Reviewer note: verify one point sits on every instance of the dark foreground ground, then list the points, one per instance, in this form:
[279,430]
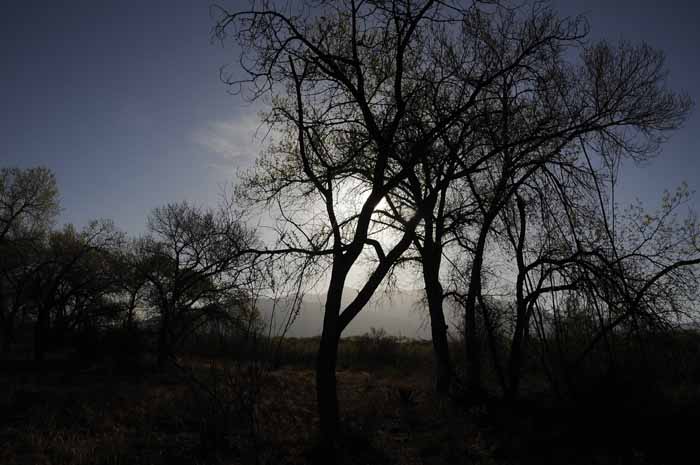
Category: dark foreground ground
[68,413]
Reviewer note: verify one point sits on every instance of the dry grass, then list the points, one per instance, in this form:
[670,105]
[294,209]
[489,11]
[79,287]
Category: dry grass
[241,414]
[98,418]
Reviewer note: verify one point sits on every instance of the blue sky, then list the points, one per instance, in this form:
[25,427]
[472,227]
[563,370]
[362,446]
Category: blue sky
[122,99]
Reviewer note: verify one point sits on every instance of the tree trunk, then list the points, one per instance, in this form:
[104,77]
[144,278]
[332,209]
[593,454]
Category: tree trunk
[493,344]
[438,326]
[326,393]
[471,336]
[443,364]
[472,346]
[516,355]
[522,310]
[326,388]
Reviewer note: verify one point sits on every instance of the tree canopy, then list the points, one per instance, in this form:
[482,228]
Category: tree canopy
[448,123]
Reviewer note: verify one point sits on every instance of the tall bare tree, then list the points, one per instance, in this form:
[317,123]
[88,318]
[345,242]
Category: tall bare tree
[192,262]
[360,93]
[368,97]
[545,114]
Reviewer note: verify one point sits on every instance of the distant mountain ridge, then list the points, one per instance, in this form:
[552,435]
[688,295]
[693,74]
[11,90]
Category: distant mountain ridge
[399,313]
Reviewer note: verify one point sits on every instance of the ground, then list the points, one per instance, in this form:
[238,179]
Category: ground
[206,412]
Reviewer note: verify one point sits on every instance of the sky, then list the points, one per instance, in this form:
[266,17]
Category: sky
[122,99]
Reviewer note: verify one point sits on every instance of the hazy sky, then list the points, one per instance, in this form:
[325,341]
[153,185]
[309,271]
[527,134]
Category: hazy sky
[122,99]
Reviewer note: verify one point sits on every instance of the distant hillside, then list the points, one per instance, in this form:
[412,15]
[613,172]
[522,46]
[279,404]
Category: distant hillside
[400,313]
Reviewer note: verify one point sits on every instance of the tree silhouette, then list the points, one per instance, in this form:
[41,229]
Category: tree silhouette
[28,202]
[406,102]
[28,207]
[549,117]
[70,280]
[349,83]
[193,265]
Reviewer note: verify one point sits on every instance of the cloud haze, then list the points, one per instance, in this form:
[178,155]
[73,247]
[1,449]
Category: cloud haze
[231,143]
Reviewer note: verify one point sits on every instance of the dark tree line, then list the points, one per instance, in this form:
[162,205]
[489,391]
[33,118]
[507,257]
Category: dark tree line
[481,140]
[185,272]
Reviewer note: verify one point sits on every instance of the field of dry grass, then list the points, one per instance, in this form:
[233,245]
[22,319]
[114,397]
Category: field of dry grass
[214,412]
[65,415]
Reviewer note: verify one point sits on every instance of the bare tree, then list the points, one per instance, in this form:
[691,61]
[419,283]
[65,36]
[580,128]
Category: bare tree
[28,207]
[130,282]
[70,280]
[649,277]
[28,202]
[360,92]
[542,117]
[568,245]
[194,267]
